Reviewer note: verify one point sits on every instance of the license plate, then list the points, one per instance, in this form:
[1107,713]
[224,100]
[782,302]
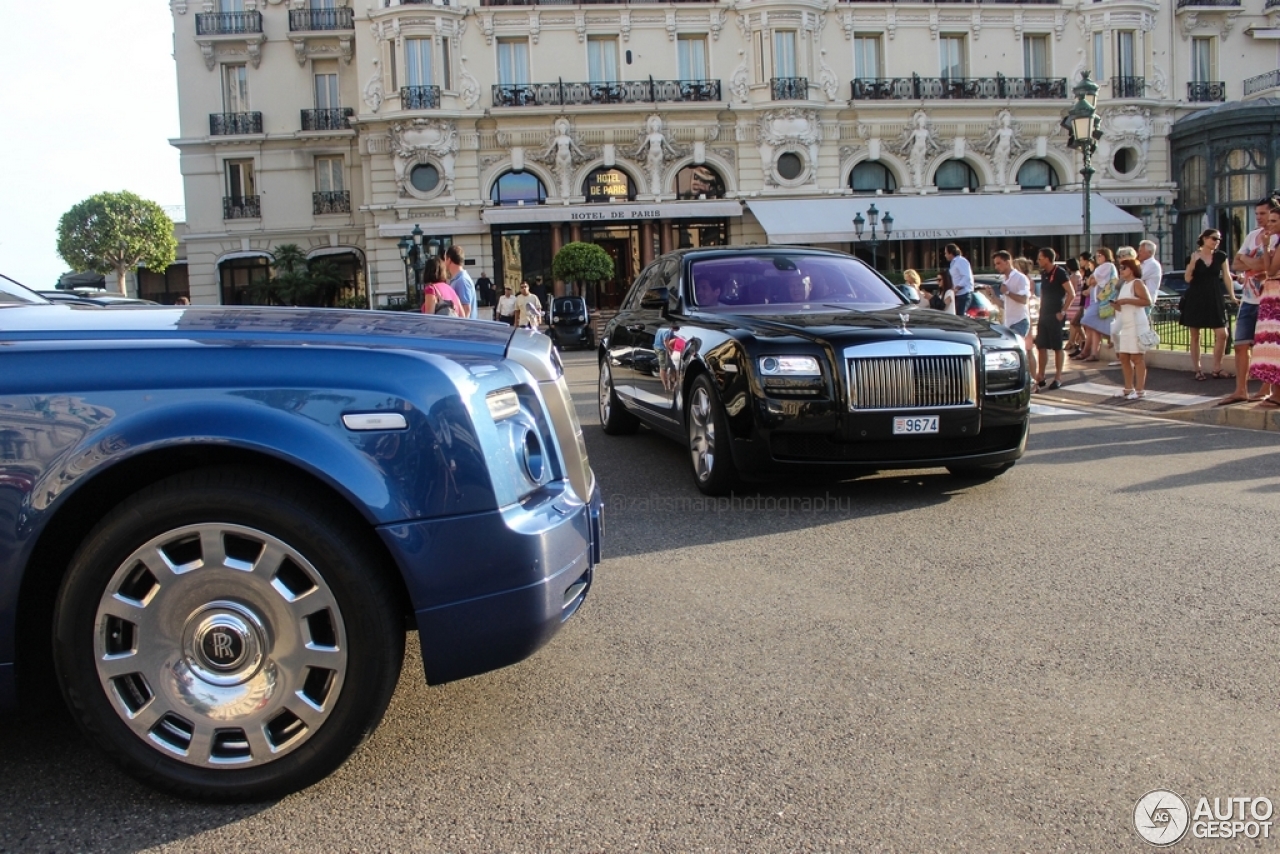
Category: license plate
[916,426]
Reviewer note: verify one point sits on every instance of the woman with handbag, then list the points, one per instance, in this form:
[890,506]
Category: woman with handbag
[1203,306]
[1133,329]
[1097,315]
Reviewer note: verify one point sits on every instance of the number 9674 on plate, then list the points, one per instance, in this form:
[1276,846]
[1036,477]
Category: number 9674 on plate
[916,425]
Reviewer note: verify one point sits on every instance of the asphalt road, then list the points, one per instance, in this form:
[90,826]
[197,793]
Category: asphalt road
[896,663]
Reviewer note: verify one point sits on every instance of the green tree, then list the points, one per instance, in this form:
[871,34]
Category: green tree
[116,233]
[582,263]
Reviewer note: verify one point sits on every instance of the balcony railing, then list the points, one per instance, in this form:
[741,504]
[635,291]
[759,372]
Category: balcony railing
[1183,4]
[337,201]
[228,23]
[577,2]
[419,97]
[789,88]
[561,93]
[1206,90]
[234,124]
[335,119]
[916,88]
[1262,82]
[949,2]
[241,207]
[1128,87]
[1271,4]
[303,20]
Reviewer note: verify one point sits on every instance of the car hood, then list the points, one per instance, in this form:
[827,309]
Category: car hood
[812,325]
[252,326]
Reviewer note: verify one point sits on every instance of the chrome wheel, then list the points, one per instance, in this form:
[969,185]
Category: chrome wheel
[220,645]
[702,435]
[605,391]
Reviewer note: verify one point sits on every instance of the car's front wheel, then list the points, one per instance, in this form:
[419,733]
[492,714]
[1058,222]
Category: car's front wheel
[225,636]
[615,420]
[708,431]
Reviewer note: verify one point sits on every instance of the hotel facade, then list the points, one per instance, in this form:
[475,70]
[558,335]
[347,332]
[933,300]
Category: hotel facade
[511,127]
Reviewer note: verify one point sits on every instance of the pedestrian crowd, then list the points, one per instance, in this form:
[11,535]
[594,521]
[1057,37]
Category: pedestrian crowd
[1106,298]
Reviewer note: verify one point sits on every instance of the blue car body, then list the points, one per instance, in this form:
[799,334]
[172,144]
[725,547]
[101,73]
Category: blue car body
[95,403]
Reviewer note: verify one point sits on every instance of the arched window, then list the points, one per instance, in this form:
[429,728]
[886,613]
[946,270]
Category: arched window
[1242,176]
[1193,188]
[956,176]
[869,176]
[512,188]
[699,182]
[1037,175]
[602,185]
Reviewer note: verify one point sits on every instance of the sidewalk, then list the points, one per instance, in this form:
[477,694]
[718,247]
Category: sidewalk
[1172,391]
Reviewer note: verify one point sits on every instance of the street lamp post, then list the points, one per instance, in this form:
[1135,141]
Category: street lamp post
[1153,221]
[873,239]
[1084,131]
[414,261]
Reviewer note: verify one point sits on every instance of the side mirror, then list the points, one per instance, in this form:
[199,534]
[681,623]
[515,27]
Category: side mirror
[655,298]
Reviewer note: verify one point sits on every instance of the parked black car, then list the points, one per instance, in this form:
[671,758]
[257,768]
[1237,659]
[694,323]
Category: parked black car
[571,323]
[768,360]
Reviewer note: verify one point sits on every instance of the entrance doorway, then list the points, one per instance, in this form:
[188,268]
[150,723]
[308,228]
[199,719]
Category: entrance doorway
[622,243]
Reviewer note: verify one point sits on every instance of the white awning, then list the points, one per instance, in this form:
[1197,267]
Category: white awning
[940,217]
[612,212]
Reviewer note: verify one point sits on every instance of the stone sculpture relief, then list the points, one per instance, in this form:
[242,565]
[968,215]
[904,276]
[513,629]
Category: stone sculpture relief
[1004,143]
[788,129]
[654,149]
[421,141]
[563,154]
[919,144]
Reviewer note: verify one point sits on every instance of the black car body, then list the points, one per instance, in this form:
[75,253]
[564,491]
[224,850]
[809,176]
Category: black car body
[571,323]
[849,377]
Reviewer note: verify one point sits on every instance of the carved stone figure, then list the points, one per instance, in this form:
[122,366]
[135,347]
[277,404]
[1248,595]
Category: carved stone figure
[654,148]
[562,153]
[740,82]
[373,90]
[1003,144]
[918,145]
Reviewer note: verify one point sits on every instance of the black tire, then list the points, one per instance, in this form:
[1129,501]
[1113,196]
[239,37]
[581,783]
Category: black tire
[708,430]
[979,473]
[255,667]
[614,417]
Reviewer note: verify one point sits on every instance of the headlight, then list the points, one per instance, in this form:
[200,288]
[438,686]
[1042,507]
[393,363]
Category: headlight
[789,366]
[1002,360]
[1003,369]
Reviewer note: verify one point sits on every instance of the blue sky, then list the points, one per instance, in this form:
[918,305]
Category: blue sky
[90,103]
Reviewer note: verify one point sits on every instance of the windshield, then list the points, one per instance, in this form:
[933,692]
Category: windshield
[799,282]
[12,293]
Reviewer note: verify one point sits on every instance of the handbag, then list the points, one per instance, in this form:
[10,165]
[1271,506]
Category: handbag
[1148,338]
[1106,293]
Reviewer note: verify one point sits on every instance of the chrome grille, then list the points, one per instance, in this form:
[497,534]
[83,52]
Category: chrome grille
[911,382]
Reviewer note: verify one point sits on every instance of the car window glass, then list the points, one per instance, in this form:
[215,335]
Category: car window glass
[800,281]
[12,293]
[637,289]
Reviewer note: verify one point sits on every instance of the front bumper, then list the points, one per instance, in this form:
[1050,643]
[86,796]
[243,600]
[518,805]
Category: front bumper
[490,589]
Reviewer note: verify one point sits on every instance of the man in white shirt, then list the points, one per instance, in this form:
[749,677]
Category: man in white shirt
[1152,272]
[961,277]
[505,311]
[1016,293]
[1253,262]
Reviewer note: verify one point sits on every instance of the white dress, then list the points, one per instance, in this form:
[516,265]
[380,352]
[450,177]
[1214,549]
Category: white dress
[1133,320]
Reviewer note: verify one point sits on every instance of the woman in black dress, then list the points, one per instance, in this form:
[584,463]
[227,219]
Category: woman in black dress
[1204,306]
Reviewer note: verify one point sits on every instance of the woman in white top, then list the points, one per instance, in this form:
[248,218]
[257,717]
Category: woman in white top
[1131,307]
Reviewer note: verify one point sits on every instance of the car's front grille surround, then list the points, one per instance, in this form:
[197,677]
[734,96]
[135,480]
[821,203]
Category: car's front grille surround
[911,375]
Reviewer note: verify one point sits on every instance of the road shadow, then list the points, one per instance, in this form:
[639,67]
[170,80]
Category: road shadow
[59,793]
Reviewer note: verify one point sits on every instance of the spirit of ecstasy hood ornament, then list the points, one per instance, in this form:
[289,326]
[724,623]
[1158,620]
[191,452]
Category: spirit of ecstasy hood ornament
[904,317]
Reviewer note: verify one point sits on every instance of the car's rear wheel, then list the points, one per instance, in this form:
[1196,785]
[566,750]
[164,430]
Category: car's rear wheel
[979,473]
[227,637]
[615,420]
[713,467]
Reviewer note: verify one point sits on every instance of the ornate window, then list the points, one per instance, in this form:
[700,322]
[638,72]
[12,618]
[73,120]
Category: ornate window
[956,176]
[869,176]
[699,182]
[1037,175]
[515,188]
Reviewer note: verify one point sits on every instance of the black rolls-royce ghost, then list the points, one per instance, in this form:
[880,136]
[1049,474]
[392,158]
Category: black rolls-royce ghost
[770,359]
